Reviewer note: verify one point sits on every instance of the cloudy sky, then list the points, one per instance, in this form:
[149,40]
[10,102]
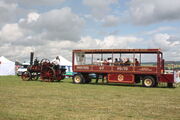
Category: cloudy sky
[56,27]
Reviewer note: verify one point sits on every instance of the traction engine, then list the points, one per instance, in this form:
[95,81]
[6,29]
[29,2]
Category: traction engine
[47,71]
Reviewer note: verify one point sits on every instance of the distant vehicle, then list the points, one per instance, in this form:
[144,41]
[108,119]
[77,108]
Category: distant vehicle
[22,69]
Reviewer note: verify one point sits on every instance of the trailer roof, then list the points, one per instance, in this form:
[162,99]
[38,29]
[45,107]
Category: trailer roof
[118,50]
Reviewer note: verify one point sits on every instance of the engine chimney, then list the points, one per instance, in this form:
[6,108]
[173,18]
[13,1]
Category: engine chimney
[31,58]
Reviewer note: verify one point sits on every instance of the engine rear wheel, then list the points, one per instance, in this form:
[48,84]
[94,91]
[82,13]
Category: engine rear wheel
[149,81]
[78,79]
[48,74]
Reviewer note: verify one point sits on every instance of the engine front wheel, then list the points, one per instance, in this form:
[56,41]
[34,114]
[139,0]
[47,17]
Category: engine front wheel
[34,76]
[26,76]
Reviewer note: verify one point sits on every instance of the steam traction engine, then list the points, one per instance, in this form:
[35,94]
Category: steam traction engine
[46,70]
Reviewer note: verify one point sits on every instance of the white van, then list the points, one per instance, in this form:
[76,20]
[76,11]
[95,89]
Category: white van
[22,69]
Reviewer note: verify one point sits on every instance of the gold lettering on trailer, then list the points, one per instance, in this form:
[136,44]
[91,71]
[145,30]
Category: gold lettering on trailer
[120,77]
[101,68]
[82,67]
[122,68]
[145,69]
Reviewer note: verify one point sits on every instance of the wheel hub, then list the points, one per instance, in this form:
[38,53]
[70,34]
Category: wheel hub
[77,79]
[148,82]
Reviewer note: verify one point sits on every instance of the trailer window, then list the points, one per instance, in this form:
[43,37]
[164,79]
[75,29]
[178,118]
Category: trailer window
[79,58]
[148,59]
[96,59]
[88,59]
[123,59]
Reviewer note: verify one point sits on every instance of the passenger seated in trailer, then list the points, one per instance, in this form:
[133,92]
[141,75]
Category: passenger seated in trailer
[136,62]
[97,62]
[105,62]
[101,62]
[120,61]
[110,61]
[116,62]
[127,62]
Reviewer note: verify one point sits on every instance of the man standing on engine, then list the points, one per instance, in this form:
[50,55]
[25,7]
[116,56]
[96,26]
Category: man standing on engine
[56,62]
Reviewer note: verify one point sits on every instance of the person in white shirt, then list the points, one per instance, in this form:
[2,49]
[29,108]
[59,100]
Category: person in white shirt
[110,61]
[56,62]
[98,62]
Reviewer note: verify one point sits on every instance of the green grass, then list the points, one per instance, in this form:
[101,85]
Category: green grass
[35,100]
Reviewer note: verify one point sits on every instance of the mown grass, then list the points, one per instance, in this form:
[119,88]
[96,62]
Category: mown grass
[35,100]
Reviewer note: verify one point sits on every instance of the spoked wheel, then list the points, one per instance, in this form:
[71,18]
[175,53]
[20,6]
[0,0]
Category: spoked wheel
[48,75]
[26,76]
[34,76]
[149,81]
[44,61]
[78,79]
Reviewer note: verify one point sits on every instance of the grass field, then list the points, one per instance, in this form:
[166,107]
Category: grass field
[35,100]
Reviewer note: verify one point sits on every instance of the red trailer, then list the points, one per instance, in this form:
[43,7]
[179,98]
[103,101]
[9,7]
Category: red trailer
[109,64]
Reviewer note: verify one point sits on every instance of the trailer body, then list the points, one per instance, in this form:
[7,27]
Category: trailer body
[120,73]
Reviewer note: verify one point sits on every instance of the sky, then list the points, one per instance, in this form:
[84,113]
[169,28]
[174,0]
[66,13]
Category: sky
[56,27]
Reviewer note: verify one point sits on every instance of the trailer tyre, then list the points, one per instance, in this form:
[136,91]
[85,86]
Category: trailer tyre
[88,80]
[78,79]
[149,81]
[170,85]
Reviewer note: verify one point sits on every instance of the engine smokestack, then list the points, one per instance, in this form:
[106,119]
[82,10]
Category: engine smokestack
[31,58]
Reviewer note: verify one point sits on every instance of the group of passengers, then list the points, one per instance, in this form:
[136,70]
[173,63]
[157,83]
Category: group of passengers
[107,61]
[118,62]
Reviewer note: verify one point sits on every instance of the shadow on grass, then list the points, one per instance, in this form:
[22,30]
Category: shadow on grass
[126,85]
[107,84]
[130,85]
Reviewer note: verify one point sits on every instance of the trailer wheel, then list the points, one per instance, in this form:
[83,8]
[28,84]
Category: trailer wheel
[170,85]
[78,79]
[88,80]
[148,81]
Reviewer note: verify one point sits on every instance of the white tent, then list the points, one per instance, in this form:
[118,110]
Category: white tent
[7,67]
[67,64]
[64,61]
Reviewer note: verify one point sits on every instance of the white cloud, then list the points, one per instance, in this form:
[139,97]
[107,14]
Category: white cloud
[35,3]
[143,12]
[164,41]
[110,21]
[7,12]
[118,41]
[108,42]
[57,24]
[32,17]
[160,29]
[99,8]
[10,33]
[48,33]
[53,32]
[161,41]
